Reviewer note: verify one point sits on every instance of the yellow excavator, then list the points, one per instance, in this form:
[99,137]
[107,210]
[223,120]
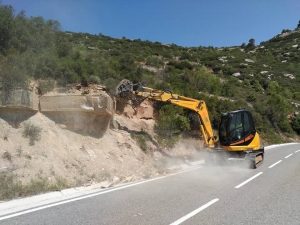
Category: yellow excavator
[238,138]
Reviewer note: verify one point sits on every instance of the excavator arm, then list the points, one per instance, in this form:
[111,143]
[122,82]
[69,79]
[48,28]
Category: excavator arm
[129,91]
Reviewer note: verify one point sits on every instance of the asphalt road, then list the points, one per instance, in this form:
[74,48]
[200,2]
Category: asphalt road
[199,195]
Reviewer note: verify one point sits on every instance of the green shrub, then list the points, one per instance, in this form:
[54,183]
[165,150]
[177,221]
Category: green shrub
[141,138]
[170,124]
[46,86]
[33,132]
[95,79]
[251,98]
[153,61]
[6,155]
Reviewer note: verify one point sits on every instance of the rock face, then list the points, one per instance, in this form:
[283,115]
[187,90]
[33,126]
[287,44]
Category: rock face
[99,104]
[17,105]
[85,114]
[90,114]
[19,98]
[143,111]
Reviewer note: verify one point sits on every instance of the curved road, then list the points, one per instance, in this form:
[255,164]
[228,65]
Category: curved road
[199,195]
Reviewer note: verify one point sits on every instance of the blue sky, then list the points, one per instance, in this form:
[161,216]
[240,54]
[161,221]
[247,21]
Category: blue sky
[189,23]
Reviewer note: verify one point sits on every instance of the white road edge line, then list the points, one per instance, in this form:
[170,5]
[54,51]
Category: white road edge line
[279,145]
[297,151]
[89,196]
[288,156]
[275,164]
[193,213]
[245,182]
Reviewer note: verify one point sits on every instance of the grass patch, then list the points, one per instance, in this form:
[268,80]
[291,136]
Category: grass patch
[11,189]
[141,138]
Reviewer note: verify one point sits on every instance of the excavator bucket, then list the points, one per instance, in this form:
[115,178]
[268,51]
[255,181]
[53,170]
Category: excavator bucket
[127,91]
[124,86]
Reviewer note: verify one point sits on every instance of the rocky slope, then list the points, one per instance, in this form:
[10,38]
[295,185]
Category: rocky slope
[64,151]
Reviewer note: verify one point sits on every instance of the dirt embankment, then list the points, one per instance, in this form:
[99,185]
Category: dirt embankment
[68,149]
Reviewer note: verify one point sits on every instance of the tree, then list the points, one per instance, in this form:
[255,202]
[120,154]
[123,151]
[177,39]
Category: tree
[53,25]
[257,86]
[278,109]
[273,88]
[6,25]
[46,66]
[204,81]
[126,66]
[296,123]
[21,36]
[63,49]
[171,123]
[285,31]
[298,25]
[251,43]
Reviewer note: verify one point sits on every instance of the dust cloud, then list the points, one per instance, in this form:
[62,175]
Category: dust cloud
[222,173]
[207,173]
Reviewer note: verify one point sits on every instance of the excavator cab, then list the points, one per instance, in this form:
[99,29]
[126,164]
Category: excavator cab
[236,128]
[239,138]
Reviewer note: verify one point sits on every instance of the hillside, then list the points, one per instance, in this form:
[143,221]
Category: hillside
[262,78]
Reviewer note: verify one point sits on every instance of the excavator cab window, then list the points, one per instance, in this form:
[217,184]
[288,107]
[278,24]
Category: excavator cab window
[235,126]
